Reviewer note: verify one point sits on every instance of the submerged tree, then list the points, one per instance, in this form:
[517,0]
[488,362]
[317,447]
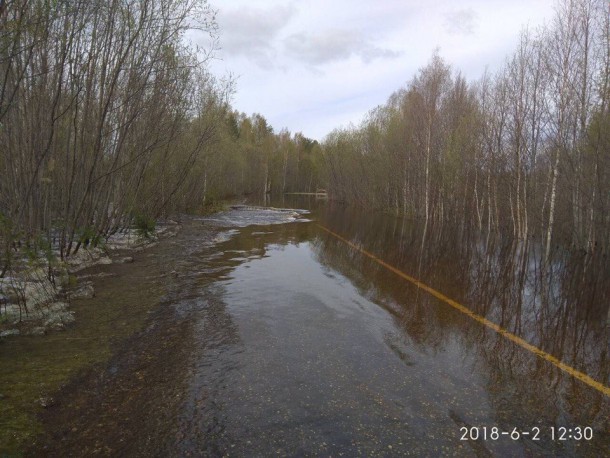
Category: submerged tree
[523,151]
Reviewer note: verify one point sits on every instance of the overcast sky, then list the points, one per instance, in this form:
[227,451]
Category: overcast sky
[314,65]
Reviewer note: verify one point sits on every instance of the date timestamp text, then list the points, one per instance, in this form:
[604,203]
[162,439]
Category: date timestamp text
[535,433]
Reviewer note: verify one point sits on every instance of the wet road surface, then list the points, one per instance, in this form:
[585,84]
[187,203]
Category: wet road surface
[307,348]
[298,345]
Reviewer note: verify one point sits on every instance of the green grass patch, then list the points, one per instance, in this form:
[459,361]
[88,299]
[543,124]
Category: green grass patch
[34,367]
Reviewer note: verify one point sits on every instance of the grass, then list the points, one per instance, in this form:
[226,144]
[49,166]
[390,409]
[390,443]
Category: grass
[145,226]
[37,366]
[213,206]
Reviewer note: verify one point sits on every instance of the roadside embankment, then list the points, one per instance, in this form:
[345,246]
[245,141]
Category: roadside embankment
[35,298]
[115,294]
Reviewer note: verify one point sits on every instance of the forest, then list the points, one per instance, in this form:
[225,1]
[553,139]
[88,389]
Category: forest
[110,117]
[456,279]
[522,152]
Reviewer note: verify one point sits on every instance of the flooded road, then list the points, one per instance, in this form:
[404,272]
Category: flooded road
[296,344]
[310,348]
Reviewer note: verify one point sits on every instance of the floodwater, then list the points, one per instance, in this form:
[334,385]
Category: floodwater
[300,345]
[307,347]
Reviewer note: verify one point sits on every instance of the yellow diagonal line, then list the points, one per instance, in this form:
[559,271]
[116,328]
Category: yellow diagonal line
[465,310]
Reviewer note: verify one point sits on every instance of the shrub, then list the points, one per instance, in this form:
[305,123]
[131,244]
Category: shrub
[145,226]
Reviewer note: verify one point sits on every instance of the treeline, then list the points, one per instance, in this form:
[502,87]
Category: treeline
[248,158]
[108,116]
[103,111]
[523,151]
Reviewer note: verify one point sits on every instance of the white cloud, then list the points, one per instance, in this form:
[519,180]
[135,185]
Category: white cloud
[250,32]
[461,22]
[311,64]
[334,45]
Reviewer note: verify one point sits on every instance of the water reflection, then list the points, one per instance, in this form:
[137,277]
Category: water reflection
[561,308]
[307,347]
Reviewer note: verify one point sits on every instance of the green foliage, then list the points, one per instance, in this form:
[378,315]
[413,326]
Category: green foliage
[89,237]
[6,232]
[68,281]
[5,222]
[31,254]
[144,225]
[212,204]
[232,126]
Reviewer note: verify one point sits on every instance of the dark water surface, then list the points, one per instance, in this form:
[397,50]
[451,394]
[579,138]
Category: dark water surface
[307,347]
[268,336]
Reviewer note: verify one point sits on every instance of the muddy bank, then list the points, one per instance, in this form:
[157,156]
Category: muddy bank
[128,300]
[35,296]
[128,406]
